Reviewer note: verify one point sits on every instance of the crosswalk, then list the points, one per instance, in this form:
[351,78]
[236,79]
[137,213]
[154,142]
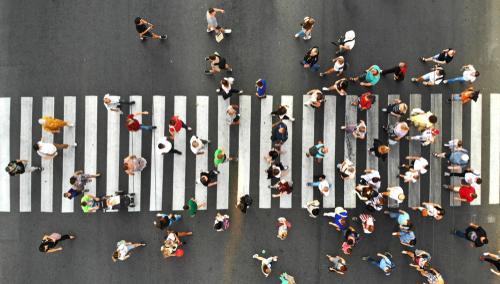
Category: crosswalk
[169,191]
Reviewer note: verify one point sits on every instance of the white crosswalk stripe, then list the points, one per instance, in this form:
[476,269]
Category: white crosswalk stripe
[246,151]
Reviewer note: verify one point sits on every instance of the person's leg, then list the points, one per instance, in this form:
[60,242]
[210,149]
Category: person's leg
[456,79]
[226,96]
[146,127]
[328,72]
[184,234]
[234,91]
[61,146]
[175,151]
[394,215]
[300,33]
[314,184]
[31,169]
[460,234]
[127,102]
[315,67]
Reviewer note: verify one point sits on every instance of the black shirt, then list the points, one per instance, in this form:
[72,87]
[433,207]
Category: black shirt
[474,235]
[211,177]
[311,60]
[443,56]
[141,28]
[377,143]
[17,168]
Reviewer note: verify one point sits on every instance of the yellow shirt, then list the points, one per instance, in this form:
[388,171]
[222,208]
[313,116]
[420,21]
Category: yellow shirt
[52,124]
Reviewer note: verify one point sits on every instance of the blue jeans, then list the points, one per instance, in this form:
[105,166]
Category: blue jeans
[301,33]
[315,184]
[394,215]
[146,127]
[314,67]
[456,79]
[176,218]
[460,234]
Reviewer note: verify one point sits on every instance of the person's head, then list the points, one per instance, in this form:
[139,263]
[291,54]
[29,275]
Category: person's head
[218,226]
[375,179]
[362,128]
[315,211]
[36,147]
[67,195]
[203,178]
[484,240]
[266,269]
[212,57]
[115,255]
[402,64]
[41,121]
[350,241]
[413,242]
[340,59]
[440,72]
[185,207]
[259,83]
[433,119]
[106,100]
[343,221]
[401,197]
[322,177]
[371,96]
[160,223]
[404,126]
[460,143]
[476,74]
[72,180]
[473,195]
[43,247]
[451,52]
[276,171]
[125,166]
[282,130]
[195,144]
[374,72]
[384,149]
[370,228]
[220,156]
[311,21]
[343,268]
[172,122]
[211,11]
[83,203]
[403,108]
[137,20]
[387,270]
[314,51]
[161,146]
[325,150]
[224,83]
[479,180]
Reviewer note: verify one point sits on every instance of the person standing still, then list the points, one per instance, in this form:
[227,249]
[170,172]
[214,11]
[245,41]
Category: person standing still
[144,29]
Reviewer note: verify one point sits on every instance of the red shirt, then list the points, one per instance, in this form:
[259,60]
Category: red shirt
[178,125]
[365,102]
[284,188]
[466,192]
[133,125]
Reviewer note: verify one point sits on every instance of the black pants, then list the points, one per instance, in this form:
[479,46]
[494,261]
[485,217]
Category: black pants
[230,93]
[63,237]
[125,103]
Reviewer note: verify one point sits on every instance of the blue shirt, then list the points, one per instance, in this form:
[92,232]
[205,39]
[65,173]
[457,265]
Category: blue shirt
[337,219]
[386,263]
[73,193]
[406,237]
[456,158]
[261,91]
[403,218]
[277,136]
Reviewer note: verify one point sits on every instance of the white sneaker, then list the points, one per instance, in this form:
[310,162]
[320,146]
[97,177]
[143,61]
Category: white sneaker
[208,30]
[324,89]
[70,125]
[218,90]
[74,145]
[189,128]
[227,31]
[241,92]
[292,119]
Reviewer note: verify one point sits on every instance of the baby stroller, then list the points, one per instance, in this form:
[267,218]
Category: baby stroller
[120,200]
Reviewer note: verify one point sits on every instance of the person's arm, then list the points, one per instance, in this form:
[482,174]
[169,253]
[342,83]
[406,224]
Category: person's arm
[475,226]
[334,225]
[141,113]
[361,197]
[219,10]
[54,250]
[212,184]
[383,256]
[496,273]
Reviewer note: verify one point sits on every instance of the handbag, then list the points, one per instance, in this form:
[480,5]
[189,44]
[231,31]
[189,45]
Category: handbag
[219,37]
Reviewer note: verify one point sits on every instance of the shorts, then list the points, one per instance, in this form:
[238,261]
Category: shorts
[148,34]
[427,77]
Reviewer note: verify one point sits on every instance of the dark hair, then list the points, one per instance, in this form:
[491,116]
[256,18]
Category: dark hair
[477,74]
[137,20]
[259,83]
[275,171]
[440,210]
[218,226]
[172,122]
[322,176]
[485,241]
[479,180]
[43,247]
[315,211]
[211,10]
[474,195]
[433,118]
[185,207]
[350,242]
[161,146]
[413,242]
[224,82]
[375,179]
[212,57]
[72,180]
[83,203]
[36,147]
[343,268]
[459,143]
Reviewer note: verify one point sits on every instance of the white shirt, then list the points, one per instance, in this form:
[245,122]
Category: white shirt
[368,178]
[200,147]
[115,102]
[322,184]
[411,176]
[469,74]
[349,36]
[46,150]
[122,251]
[434,77]
[394,193]
[168,145]
[420,164]
[338,67]
[470,178]
[230,80]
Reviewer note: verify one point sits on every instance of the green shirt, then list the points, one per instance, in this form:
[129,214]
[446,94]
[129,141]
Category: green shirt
[217,162]
[373,79]
[193,207]
[88,199]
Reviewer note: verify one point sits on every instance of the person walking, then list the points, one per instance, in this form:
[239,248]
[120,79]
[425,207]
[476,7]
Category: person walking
[417,163]
[114,103]
[471,176]
[371,177]
[422,120]
[221,222]
[398,70]
[265,263]
[134,125]
[406,237]
[175,126]
[444,57]
[338,67]
[369,78]
[365,192]
[49,242]
[465,96]
[283,226]
[78,181]
[345,43]
[395,193]
[48,151]
[379,149]
[313,208]
[420,258]
[458,158]
[426,138]
[244,203]
[410,175]
[226,88]
[340,86]
[284,187]
[365,101]
[208,179]
[19,167]
[397,108]
[357,131]
[385,262]
[466,193]
[396,132]
[494,261]
[281,113]
[89,203]
[338,264]
[123,249]
[217,63]
[322,184]
[233,115]
[311,58]
[367,223]
[432,275]
[279,134]
[53,125]
[198,145]
[285,278]
[163,221]
[318,151]
[277,170]
[469,75]
[474,234]
[192,206]
[351,238]
[144,29]
[433,78]
[273,155]
[402,217]
[347,170]
[133,164]
[316,98]
[306,28]
[164,147]
[340,219]
[429,209]
[261,86]
[212,20]
[220,157]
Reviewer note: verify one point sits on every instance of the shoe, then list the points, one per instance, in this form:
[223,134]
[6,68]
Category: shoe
[209,30]
[153,127]
[324,89]
[309,184]
[269,186]
[218,90]
[414,79]
[189,128]
[132,102]
[208,141]
[240,92]
[85,190]
[132,194]
[384,110]
[143,244]
[227,31]
[286,168]
[292,119]
[163,37]
[446,174]
[445,186]
[207,72]
[178,153]
[70,125]
[206,58]
[255,255]
[445,81]
[296,35]
[365,258]
[321,74]
[422,59]
[142,38]
[74,145]
[40,168]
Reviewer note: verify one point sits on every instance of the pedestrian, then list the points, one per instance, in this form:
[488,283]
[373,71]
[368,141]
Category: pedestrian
[338,67]
[410,175]
[19,167]
[406,237]
[340,221]
[244,203]
[144,29]
[133,164]
[429,209]
[212,20]
[114,103]
[310,60]
[318,151]
[316,98]
[417,163]
[53,125]
[379,149]
[284,187]
[123,249]
[339,264]
[465,96]
[192,206]
[209,179]
[172,243]
[281,112]
[444,57]
[265,263]
[227,89]
[398,70]
[433,78]
[49,242]
[466,193]
[385,263]
[175,126]
[395,193]
[198,145]
[78,182]
[89,203]
[367,223]
[340,86]
[261,86]
[454,144]
[345,43]
[494,261]
[233,115]
[277,170]
[365,192]
[166,220]
[397,108]
[221,222]
[279,134]
[322,184]
[347,170]
[48,151]
[432,275]
[422,120]
[220,32]
[471,176]
[458,158]
[220,157]
[397,131]
[287,279]
[469,75]
[473,233]
[164,147]
[217,63]
[369,78]
[273,155]
[420,258]
[427,137]
[283,226]
[365,101]
[313,208]
[402,217]
[134,125]
[306,28]
[351,237]
[376,203]
[371,177]
[358,131]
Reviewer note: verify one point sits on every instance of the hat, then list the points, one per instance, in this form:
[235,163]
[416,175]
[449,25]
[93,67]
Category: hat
[179,253]
[435,131]
[401,197]
[464,157]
